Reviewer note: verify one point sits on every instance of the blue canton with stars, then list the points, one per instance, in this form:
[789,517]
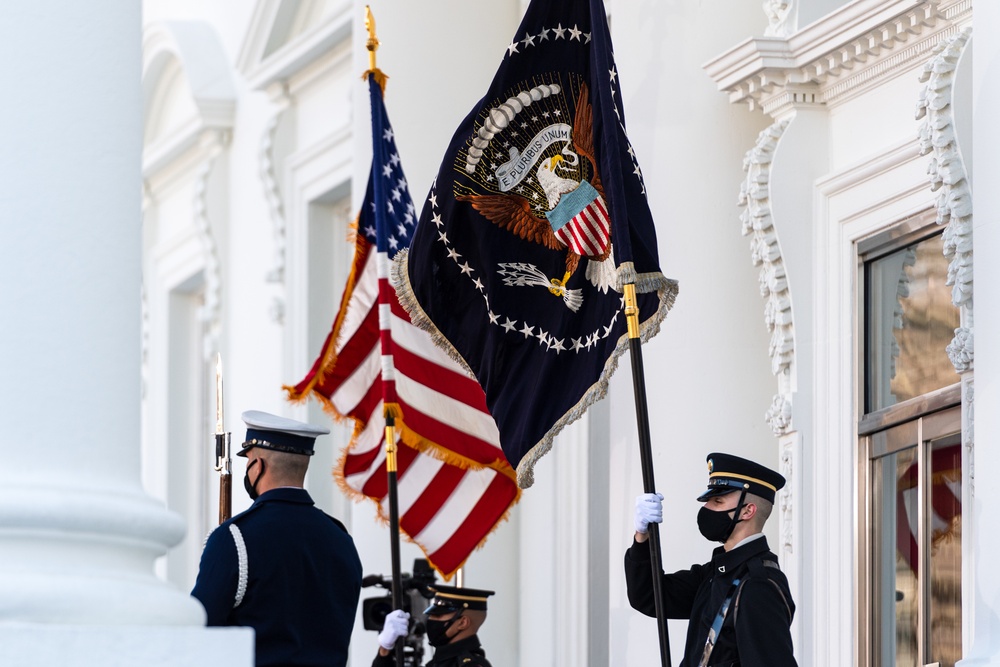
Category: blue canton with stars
[388,227]
[537,217]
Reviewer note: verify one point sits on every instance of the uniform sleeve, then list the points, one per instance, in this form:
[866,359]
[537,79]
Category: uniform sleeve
[218,576]
[762,625]
[384,660]
[679,589]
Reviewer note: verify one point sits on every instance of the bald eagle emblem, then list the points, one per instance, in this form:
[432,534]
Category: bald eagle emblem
[547,191]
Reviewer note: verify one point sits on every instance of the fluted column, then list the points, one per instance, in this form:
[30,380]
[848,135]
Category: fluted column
[78,537]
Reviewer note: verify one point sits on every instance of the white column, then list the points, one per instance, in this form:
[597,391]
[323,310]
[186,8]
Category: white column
[78,536]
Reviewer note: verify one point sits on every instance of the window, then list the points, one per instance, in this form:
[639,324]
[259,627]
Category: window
[910,457]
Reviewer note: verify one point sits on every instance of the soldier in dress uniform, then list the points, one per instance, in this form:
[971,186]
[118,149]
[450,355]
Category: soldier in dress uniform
[283,567]
[738,604]
[453,619]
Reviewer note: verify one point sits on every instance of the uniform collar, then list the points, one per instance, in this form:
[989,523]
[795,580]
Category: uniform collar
[288,494]
[467,645]
[724,562]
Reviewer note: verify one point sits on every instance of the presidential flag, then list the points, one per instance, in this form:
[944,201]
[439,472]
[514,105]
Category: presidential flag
[454,484]
[536,220]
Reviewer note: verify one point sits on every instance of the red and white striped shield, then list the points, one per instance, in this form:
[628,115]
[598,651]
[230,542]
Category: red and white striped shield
[581,221]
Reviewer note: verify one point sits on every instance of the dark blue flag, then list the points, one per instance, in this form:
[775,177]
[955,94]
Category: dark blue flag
[536,219]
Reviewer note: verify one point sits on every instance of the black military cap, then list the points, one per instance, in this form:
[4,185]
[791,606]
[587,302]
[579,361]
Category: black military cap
[728,473]
[451,598]
[281,434]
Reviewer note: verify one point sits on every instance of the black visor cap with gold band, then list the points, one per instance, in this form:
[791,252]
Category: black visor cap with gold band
[728,473]
[279,434]
[450,598]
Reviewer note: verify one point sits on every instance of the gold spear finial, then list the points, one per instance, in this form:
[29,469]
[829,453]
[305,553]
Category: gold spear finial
[372,45]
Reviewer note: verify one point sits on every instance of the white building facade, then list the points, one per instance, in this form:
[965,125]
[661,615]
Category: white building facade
[811,172]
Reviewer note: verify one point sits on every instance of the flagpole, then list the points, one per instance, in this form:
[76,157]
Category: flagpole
[390,467]
[388,399]
[646,460]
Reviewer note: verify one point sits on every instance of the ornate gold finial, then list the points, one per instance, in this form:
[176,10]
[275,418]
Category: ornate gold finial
[372,43]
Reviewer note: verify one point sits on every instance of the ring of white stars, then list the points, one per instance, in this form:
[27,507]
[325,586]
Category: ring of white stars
[559,32]
[557,345]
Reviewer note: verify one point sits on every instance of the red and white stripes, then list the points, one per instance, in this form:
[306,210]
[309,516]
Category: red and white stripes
[588,233]
[454,484]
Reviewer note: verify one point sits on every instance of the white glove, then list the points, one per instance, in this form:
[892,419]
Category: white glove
[395,625]
[648,509]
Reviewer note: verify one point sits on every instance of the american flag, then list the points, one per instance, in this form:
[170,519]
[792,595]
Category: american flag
[454,484]
[945,509]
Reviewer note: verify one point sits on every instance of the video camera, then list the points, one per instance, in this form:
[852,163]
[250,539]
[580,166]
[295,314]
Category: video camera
[414,599]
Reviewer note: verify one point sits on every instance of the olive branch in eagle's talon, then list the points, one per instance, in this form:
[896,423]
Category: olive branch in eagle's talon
[520,274]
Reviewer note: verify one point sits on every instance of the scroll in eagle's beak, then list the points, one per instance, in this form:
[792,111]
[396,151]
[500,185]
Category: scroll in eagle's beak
[554,160]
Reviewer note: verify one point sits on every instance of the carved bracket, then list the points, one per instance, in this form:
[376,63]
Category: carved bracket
[948,177]
[782,17]
[211,311]
[275,204]
[786,497]
[766,254]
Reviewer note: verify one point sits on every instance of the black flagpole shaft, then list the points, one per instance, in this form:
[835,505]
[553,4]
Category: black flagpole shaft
[646,459]
[397,582]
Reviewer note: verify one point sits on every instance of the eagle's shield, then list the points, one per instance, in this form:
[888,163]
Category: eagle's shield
[580,220]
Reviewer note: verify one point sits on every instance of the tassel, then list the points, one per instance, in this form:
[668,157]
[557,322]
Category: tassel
[380,78]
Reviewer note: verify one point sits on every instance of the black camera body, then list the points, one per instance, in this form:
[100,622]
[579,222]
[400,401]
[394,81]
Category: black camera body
[414,600]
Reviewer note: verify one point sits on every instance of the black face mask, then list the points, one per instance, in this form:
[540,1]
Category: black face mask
[716,526]
[252,488]
[437,631]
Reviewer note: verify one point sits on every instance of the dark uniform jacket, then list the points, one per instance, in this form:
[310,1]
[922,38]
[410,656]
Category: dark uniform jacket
[756,630]
[289,571]
[463,653]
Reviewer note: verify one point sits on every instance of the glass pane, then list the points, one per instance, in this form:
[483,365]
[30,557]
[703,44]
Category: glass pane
[910,320]
[946,551]
[894,539]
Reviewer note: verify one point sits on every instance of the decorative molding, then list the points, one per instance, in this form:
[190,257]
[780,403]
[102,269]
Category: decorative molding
[786,497]
[782,17]
[211,311]
[779,415]
[838,57]
[190,152]
[766,253]
[293,65]
[948,177]
[275,204]
[904,57]
[961,350]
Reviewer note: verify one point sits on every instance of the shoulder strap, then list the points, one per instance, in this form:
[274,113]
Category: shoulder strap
[756,569]
[720,618]
[244,566]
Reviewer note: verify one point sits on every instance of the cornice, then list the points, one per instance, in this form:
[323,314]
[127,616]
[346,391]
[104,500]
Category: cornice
[302,52]
[836,57]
